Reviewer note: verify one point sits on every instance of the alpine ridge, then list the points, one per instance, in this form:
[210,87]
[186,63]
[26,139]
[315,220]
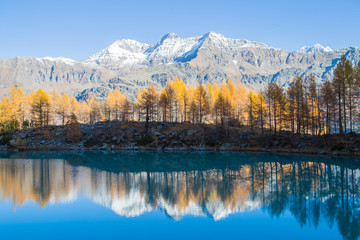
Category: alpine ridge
[130,65]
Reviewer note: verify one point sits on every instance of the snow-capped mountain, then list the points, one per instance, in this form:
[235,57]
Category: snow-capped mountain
[170,49]
[317,48]
[130,65]
[122,54]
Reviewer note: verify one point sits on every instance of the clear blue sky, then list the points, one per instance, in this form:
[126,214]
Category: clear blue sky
[77,29]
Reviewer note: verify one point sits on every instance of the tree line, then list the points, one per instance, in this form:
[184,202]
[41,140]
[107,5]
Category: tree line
[303,107]
[307,107]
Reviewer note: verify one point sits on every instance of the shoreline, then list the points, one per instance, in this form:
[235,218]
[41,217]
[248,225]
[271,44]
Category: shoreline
[176,137]
[179,150]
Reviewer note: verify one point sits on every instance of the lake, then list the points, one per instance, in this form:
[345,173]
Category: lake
[92,195]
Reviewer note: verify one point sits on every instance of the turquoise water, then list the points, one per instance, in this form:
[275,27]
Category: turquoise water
[94,195]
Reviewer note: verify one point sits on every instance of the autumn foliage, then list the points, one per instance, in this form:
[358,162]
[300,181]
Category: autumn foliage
[303,107]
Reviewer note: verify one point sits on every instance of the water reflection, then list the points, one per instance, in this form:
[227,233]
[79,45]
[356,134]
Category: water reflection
[180,184]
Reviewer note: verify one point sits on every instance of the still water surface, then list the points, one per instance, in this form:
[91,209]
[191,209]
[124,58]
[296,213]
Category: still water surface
[96,195]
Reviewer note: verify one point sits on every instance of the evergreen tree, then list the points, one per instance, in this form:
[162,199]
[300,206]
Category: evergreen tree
[350,92]
[261,110]
[268,93]
[299,103]
[339,84]
[291,99]
[357,91]
[282,104]
[328,100]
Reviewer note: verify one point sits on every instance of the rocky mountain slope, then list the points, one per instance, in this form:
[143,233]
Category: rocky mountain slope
[130,65]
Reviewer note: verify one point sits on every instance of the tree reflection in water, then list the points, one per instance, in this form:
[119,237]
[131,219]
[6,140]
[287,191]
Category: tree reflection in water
[203,184]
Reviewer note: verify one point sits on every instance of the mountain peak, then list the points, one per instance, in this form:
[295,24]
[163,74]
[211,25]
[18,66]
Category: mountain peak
[169,36]
[214,35]
[314,49]
[125,51]
[127,44]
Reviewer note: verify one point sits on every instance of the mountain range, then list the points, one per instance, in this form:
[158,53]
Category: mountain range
[130,65]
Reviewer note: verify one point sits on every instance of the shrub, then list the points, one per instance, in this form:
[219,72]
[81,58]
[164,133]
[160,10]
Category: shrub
[144,140]
[19,144]
[46,134]
[211,142]
[73,132]
[338,147]
[91,142]
[26,124]
[5,139]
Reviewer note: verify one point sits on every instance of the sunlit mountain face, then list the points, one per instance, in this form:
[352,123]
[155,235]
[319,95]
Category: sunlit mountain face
[210,185]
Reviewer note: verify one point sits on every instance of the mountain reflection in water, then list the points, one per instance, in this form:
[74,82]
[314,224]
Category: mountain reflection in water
[201,184]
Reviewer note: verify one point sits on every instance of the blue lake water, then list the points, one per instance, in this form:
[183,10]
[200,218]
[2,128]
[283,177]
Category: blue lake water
[93,195]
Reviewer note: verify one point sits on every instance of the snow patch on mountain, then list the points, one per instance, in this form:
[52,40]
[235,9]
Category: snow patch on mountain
[169,48]
[314,49]
[192,53]
[59,59]
[120,53]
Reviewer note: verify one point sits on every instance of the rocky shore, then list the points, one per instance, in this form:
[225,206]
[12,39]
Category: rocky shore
[134,136]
